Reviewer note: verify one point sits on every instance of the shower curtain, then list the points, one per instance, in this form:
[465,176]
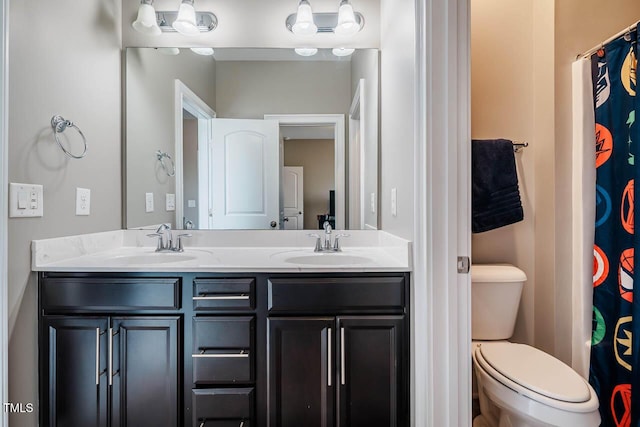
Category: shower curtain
[614,369]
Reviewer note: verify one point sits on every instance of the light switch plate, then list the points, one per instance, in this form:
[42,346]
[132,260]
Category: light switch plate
[26,200]
[148,202]
[373,203]
[83,201]
[394,202]
[170,202]
[191,203]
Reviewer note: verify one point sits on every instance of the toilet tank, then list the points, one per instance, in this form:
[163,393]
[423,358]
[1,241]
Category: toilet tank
[495,297]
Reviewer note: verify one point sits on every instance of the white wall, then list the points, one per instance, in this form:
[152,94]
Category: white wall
[254,23]
[64,58]
[150,123]
[397,56]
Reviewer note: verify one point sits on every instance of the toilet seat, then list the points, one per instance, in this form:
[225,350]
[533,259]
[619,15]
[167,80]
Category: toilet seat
[536,375]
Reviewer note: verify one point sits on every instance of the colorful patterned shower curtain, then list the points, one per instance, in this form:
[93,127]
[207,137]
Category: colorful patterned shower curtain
[615,371]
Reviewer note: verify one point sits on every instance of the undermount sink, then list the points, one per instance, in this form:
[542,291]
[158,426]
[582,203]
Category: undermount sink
[154,258]
[328,259]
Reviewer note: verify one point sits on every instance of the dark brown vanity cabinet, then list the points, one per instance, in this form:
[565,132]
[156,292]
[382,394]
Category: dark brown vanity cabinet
[346,365]
[108,369]
[224,350]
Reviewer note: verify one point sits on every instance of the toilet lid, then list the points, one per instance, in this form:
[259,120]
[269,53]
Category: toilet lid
[535,370]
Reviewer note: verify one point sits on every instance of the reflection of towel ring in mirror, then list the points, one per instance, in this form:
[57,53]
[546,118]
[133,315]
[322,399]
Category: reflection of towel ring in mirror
[162,156]
[59,125]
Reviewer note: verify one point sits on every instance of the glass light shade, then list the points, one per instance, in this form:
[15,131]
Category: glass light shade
[169,51]
[306,51]
[342,51]
[347,25]
[146,22]
[304,25]
[204,51]
[185,23]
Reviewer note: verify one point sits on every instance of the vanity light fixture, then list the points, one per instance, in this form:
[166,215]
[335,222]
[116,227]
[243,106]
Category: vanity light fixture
[306,51]
[344,23]
[342,51]
[204,51]
[146,22]
[304,24]
[347,25]
[169,51]
[185,23]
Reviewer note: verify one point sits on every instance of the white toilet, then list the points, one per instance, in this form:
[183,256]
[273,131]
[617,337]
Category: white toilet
[518,385]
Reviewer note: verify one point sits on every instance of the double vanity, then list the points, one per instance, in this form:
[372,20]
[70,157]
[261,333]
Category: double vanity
[242,328]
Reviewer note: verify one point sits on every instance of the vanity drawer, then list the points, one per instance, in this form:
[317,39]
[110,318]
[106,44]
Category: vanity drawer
[110,293]
[224,294]
[223,407]
[223,350]
[320,295]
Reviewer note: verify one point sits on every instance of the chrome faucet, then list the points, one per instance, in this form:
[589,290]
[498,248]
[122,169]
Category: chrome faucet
[328,246]
[165,239]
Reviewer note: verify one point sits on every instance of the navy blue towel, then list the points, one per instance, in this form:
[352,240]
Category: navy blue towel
[495,197]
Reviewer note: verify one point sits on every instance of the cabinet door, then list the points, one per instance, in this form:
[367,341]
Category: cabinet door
[76,391]
[145,371]
[301,372]
[372,392]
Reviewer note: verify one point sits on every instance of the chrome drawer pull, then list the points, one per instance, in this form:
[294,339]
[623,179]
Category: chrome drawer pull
[222,355]
[221,297]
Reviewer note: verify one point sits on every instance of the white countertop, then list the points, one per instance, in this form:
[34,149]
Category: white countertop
[222,251]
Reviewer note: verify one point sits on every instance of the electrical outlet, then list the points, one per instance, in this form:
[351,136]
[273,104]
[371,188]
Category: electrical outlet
[170,202]
[148,202]
[191,203]
[83,201]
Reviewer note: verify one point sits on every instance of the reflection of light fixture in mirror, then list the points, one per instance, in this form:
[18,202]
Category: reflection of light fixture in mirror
[146,22]
[342,51]
[306,51]
[347,25]
[304,25]
[169,51]
[204,51]
[185,23]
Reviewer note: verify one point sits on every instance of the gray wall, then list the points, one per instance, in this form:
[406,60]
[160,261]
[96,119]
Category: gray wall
[150,126]
[251,89]
[397,56]
[190,178]
[64,58]
[316,156]
[365,65]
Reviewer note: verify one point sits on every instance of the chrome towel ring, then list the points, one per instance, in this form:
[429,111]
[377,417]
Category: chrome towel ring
[170,170]
[59,125]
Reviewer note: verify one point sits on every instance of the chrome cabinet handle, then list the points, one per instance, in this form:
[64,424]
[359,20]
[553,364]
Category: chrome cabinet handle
[221,355]
[329,358]
[202,423]
[221,297]
[110,356]
[97,356]
[342,368]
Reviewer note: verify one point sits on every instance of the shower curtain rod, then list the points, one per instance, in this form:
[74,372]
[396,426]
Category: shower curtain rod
[610,39]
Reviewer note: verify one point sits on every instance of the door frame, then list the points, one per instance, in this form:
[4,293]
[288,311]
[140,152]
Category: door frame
[186,99]
[356,158]
[4,208]
[441,296]
[338,123]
